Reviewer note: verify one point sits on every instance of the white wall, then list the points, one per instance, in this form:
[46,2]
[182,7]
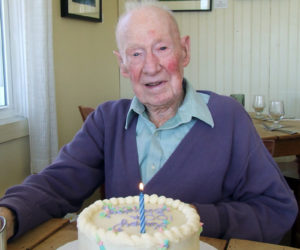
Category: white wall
[14,162]
[251,47]
[86,71]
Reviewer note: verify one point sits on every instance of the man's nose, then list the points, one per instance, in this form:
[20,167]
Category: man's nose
[152,64]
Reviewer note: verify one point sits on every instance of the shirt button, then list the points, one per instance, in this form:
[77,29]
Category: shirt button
[156,133]
[153,167]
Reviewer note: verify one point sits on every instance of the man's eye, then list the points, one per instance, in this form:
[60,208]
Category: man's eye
[163,48]
[136,54]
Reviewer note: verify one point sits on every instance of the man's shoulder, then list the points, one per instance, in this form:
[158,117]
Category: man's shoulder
[225,107]
[110,113]
[114,106]
[219,100]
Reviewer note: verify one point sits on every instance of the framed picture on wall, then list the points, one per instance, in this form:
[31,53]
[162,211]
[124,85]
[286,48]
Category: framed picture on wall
[188,5]
[90,10]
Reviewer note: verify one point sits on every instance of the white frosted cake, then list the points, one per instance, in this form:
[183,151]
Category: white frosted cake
[114,224]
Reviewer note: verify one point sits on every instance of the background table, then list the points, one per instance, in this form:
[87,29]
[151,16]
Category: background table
[285,144]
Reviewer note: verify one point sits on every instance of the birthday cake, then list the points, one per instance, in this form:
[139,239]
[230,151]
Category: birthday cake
[115,224]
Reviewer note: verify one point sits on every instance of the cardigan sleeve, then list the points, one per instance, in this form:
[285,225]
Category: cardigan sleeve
[61,187]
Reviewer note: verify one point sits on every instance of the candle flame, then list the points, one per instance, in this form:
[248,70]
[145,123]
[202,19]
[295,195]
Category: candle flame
[141,186]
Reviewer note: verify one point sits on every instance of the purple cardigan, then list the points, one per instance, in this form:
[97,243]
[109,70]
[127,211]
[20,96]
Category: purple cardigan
[225,171]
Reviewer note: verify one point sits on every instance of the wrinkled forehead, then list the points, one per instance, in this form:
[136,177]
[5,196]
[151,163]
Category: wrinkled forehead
[150,21]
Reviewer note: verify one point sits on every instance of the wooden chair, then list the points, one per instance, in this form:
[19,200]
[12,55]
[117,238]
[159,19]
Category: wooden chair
[270,145]
[291,173]
[85,111]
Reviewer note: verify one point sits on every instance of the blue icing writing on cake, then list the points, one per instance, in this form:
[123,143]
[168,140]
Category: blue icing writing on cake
[170,224]
[156,218]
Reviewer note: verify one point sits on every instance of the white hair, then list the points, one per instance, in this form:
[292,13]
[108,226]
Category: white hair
[133,5]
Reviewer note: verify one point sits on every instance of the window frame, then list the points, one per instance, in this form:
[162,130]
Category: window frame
[2,64]
[7,111]
[13,125]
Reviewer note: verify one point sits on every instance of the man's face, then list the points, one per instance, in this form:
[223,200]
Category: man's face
[153,56]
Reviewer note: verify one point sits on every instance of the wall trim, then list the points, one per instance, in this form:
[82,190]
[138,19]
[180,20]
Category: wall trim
[13,128]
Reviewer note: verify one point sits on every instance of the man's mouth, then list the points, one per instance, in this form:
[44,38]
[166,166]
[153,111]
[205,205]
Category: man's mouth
[153,84]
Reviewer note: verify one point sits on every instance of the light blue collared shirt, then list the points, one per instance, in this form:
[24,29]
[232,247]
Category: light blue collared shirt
[155,145]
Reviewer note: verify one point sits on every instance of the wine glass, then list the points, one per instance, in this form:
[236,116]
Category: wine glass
[258,105]
[276,111]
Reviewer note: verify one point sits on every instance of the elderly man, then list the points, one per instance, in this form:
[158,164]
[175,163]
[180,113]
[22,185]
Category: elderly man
[198,147]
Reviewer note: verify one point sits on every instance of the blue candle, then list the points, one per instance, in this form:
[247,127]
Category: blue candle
[142,210]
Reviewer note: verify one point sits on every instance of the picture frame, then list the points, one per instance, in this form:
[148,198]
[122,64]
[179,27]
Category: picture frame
[89,10]
[188,5]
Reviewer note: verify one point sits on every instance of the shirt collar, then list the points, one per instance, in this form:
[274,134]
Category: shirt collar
[194,105]
[136,107]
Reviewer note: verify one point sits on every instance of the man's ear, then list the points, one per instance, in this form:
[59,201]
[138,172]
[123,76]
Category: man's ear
[186,47]
[123,68]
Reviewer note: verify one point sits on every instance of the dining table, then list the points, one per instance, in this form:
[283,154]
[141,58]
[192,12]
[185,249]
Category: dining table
[57,232]
[285,144]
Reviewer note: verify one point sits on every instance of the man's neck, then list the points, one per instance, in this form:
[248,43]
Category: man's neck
[159,115]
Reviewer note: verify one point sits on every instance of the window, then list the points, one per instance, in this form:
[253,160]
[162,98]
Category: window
[7,102]
[3,93]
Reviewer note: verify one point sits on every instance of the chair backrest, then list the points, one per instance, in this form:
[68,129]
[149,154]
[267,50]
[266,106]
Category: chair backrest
[85,111]
[270,145]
